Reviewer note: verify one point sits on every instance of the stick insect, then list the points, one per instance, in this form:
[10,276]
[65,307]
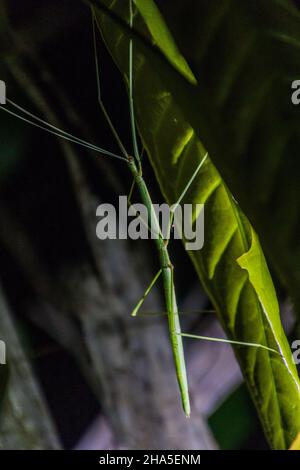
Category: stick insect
[134,164]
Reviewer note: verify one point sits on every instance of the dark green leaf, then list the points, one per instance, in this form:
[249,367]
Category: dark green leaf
[231,265]
[246,55]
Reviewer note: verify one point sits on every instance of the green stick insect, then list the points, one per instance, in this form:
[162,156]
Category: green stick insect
[134,164]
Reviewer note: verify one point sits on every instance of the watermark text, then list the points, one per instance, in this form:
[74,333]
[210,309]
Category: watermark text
[296,93]
[184,222]
[2,353]
[2,92]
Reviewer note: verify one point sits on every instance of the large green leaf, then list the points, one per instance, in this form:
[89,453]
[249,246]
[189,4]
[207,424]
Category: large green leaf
[231,265]
[296,444]
[245,56]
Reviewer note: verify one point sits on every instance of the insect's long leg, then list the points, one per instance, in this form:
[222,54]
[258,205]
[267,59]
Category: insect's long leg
[100,100]
[159,314]
[55,128]
[142,300]
[131,103]
[229,341]
[64,135]
[131,191]
[185,190]
[191,179]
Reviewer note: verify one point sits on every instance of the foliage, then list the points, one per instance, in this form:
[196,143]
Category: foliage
[172,112]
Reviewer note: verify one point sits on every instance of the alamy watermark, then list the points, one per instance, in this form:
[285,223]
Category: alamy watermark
[135,222]
[296,93]
[2,353]
[2,92]
[296,351]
